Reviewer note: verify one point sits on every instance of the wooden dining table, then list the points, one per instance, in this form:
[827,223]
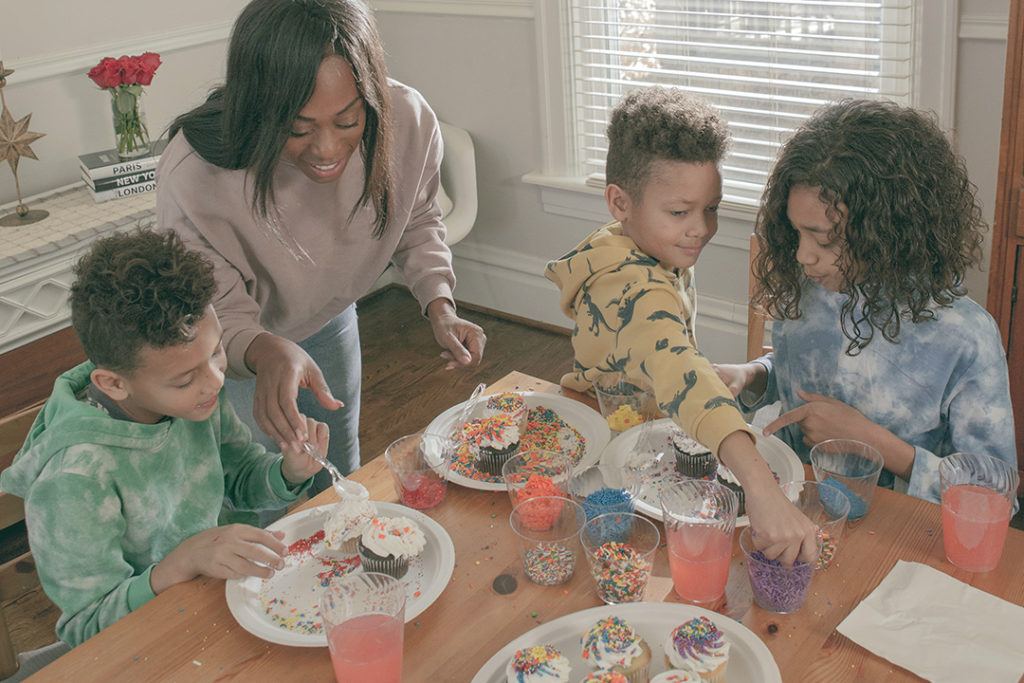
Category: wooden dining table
[187,633]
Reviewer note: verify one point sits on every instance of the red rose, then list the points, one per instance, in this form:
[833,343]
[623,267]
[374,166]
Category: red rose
[132,69]
[107,74]
[149,61]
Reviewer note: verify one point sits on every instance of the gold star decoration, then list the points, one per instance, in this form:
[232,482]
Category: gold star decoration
[15,138]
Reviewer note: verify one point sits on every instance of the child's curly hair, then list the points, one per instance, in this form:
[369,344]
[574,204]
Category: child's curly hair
[135,289]
[656,123]
[913,225]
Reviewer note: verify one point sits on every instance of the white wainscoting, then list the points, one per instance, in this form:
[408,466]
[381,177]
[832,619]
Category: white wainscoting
[984,27]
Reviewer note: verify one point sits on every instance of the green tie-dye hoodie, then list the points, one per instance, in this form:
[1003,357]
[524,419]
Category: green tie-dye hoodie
[635,316]
[106,499]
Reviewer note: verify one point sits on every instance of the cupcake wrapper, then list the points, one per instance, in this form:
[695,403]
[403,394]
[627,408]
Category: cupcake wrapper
[489,461]
[698,466]
[741,496]
[396,567]
[346,549]
[636,673]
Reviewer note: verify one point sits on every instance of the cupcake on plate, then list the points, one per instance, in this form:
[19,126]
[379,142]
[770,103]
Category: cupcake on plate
[612,645]
[497,441]
[388,543]
[676,676]
[726,478]
[692,459]
[508,403]
[698,646]
[605,677]
[345,524]
[538,664]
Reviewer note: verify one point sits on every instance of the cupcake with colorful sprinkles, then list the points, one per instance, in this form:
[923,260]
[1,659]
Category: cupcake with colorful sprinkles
[676,676]
[692,459]
[345,524]
[612,645]
[605,677]
[538,664]
[699,647]
[496,442]
[508,403]
[388,543]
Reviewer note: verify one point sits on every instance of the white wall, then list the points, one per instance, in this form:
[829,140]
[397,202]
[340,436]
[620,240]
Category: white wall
[476,63]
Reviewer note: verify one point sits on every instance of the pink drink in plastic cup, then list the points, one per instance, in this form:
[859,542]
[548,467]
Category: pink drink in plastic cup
[368,648]
[974,524]
[699,559]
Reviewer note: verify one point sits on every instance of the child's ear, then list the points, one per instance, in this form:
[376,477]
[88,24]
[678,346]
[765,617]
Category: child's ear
[110,383]
[618,200]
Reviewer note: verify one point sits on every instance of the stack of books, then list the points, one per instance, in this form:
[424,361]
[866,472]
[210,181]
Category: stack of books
[108,177]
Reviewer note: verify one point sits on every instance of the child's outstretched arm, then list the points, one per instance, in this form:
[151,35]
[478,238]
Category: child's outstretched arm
[224,552]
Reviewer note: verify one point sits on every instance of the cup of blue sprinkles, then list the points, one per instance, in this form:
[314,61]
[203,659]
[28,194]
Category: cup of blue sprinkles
[602,493]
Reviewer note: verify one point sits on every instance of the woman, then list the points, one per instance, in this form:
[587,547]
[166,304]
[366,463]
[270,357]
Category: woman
[302,177]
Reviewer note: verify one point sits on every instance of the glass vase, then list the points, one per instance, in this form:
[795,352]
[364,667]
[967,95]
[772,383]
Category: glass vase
[129,118]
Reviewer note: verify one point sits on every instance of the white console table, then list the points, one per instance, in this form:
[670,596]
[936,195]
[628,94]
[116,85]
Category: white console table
[36,260]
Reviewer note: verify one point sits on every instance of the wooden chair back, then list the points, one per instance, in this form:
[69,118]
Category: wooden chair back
[755,318]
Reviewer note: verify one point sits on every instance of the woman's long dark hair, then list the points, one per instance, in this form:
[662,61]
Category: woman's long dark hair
[912,228]
[275,52]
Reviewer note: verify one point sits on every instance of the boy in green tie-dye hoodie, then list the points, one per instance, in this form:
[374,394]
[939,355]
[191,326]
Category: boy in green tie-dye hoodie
[126,466]
[629,288]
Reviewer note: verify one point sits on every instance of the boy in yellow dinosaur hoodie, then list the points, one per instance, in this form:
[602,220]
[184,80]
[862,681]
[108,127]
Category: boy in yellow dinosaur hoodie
[629,288]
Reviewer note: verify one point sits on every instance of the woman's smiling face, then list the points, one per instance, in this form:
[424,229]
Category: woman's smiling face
[329,127]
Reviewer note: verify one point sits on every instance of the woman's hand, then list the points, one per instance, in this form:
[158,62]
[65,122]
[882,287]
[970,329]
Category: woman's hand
[462,340]
[224,552]
[281,367]
[745,376]
[297,466]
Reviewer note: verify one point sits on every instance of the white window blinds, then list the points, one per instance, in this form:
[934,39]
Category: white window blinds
[766,65]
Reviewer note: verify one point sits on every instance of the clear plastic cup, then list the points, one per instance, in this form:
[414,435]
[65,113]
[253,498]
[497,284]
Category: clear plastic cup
[548,529]
[977,503]
[601,492]
[364,621]
[827,508]
[419,468]
[537,473]
[699,518]
[623,402]
[776,587]
[620,550]
[852,467]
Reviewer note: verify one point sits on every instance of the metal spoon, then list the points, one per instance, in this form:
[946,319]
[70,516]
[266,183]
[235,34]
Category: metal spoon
[467,408]
[344,487]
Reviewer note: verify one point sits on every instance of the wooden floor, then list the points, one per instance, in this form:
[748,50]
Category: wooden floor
[405,386]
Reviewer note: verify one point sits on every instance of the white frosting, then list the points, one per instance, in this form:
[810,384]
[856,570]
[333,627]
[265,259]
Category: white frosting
[398,536]
[700,662]
[676,676]
[726,474]
[605,655]
[556,670]
[347,520]
[501,438]
[509,403]
[685,444]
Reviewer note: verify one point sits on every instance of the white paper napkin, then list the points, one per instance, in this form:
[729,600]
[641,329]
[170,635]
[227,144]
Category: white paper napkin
[939,628]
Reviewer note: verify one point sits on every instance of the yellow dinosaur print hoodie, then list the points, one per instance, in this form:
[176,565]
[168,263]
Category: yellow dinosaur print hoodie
[634,316]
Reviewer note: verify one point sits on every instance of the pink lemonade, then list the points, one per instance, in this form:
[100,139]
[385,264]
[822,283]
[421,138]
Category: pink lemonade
[368,648]
[698,556]
[974,524]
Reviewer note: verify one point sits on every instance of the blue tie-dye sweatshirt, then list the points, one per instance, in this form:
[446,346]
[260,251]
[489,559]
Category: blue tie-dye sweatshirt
[943,388]
[106,499]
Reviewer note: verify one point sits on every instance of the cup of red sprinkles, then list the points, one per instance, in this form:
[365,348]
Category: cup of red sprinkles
[620,563]
[419,468]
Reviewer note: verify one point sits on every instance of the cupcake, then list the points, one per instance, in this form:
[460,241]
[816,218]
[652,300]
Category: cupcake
[345,525]
[497,441]
[511,404]
[676,676]
[605,677]
[727,479]
[388,543]
[699,647]
[692,459]
[538,664]
[612,645]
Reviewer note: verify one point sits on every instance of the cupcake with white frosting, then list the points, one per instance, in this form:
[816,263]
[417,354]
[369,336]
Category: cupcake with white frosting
[700,647]
[345,524]
[508,403]
[388,543]
[676,676]
[538,664]
[612,645]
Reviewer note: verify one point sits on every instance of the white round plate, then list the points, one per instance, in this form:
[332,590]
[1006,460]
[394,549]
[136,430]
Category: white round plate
[297,582]
[584,419]
[780,458]
[749,658]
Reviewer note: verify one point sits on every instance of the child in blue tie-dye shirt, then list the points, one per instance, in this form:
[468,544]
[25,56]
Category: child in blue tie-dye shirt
[868,225]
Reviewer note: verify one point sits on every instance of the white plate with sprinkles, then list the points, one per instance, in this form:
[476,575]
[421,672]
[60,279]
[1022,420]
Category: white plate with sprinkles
[780,459]
[284,609]
[554,423]
[749,658]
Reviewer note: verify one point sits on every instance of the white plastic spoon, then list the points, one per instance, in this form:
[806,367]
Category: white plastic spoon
[344,487]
